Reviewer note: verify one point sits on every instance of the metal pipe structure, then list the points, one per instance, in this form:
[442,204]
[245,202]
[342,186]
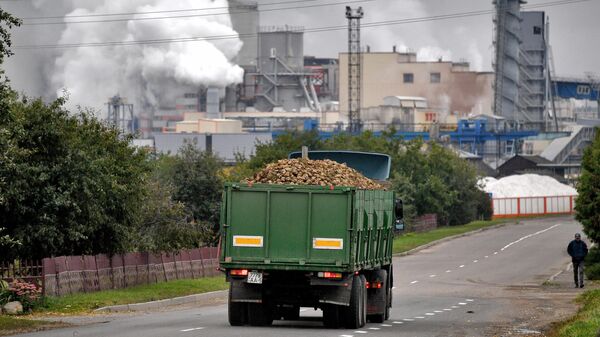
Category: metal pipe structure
[354,68]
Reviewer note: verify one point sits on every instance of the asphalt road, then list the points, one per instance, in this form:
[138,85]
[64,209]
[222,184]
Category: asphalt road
[456,288]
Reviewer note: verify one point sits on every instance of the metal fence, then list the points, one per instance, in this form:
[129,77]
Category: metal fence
[88,273]
[27,270]
[530,206]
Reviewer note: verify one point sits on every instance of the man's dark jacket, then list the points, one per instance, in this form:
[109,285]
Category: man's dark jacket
[578,250]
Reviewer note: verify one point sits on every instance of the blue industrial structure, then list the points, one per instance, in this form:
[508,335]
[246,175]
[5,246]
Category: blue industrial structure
[470,135]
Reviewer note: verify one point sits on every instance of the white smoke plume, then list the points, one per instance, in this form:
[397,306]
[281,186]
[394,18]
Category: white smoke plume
[144,73]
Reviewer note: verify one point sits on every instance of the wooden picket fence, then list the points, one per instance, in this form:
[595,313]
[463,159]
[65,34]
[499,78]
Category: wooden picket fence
[64,275]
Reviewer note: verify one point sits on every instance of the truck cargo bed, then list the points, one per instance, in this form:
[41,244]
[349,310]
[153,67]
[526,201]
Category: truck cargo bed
[312,228]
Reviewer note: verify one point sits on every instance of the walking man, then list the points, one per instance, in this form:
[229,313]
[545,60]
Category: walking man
[577,250]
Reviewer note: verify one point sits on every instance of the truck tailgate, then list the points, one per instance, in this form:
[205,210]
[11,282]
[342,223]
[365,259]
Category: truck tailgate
[284,227]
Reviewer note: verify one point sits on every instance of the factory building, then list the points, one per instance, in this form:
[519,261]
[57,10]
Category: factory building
[449,87]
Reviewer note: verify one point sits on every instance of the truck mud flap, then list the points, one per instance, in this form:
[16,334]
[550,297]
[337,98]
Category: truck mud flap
[334,291]
[244,292]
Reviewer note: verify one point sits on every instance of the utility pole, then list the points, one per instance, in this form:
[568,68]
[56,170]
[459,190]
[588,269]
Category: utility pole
[354,68]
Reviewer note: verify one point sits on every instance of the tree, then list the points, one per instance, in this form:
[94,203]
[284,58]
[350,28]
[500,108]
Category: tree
[7,22]
[588,188]
[197,184]
[70,184]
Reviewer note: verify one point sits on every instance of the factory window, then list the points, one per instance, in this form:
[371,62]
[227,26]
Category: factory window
[435,77]
[430,117]
[537,30]
[409,78]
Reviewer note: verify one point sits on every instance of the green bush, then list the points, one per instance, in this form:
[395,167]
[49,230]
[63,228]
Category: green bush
[592,271]
[593,256]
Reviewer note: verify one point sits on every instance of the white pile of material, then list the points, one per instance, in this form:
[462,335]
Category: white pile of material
[525,185]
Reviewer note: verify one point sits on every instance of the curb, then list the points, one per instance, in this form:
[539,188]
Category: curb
[436,242]
[197,298]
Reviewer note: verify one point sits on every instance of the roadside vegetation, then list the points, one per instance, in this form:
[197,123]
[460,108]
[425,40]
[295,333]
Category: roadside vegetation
[87,302]
[10,325]
[586,323]
[408,241]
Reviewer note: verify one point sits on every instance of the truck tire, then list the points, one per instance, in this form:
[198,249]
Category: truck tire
[390,292]
[259,314]
[237,312]
[363,307]
[353,314]
[380,296]
[331,316]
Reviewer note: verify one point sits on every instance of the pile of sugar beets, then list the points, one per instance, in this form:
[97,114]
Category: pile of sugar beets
[313,172]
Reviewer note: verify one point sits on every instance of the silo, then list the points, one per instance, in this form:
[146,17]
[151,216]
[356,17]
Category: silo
[245,21]
[506,66]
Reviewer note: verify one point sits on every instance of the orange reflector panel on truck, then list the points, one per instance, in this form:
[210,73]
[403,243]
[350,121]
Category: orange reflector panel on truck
[247,241]
[326,243]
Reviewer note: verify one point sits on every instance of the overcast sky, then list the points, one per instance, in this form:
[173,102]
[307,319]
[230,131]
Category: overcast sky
[574,33]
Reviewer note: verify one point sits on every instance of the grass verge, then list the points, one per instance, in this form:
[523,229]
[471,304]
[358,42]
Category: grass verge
[409,241]
[10,325]
[586,321]
[86,302]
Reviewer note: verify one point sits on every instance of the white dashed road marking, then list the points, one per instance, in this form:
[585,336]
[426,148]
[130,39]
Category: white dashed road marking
[192,329]
[528,236]
[430,314]
[447,309]
[438,311]
[495,253]
[420,317]
[408,319]
[386,325]
[461,266]
[454,307]
[397,322]
[432,275]
[462,303]
[413,282]
[360,331]
[469,300]
[374,328]
[486,256]
[475,261]
[346,335]
[448,271]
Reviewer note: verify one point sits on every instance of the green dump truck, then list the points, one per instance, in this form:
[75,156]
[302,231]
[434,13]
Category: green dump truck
[288,246]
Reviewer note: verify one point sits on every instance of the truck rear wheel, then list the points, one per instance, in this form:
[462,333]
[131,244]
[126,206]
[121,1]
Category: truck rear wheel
[363,306]
[236,311]
[353,314]
[331,316]
[259,314]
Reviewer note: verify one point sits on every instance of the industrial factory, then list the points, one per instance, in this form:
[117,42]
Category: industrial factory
[520,108]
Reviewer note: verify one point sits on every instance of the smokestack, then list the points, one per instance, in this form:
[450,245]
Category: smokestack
[394,48]
[147,74]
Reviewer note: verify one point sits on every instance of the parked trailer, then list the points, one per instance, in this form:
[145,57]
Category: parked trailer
[287,246]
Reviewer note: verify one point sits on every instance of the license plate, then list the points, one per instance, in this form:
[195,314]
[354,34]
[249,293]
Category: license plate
[255,277]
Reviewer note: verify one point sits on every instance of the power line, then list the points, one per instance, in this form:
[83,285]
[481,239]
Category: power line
[194,15]
[309,30]
[182,16]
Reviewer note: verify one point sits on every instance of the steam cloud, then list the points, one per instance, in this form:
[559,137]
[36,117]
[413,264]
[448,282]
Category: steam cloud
[148,73]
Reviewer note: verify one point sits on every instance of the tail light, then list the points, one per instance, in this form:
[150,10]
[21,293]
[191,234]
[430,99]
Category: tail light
[238,272]
[330,275]
[374,285]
